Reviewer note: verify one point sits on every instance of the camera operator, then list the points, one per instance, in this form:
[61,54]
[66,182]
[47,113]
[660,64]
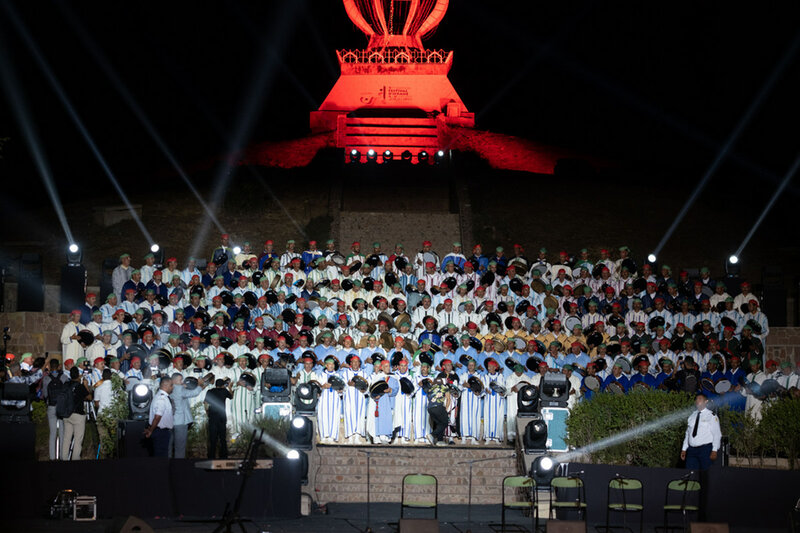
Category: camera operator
[15,375]
[54,384]
[75,423]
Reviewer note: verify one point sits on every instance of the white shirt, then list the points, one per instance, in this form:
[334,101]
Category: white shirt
[103,395]
[708,431]
[162,406]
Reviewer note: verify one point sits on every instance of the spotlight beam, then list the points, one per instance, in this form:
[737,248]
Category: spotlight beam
[126,94]
[251,108]
[789,175]
[59,90]
[734,136]
[23,116]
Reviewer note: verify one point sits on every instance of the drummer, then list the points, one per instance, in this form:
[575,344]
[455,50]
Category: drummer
[667,372]
[575,384]
[736,397]
[713,370]
[577,357]
[494,404]
[643,375]
[329,408]
[470,406]
[354,402]
[756,376]
[616,377]
[592,386]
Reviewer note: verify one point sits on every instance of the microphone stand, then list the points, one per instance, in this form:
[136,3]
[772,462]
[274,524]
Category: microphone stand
[470,463]
[369,454]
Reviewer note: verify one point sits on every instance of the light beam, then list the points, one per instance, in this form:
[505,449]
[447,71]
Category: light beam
[62,95]
[23,116]
[131,101]
[767,208]
[732,138]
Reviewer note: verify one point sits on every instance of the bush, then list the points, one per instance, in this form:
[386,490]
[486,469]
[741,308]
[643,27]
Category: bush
[607,415]
[778,433]
[110,417]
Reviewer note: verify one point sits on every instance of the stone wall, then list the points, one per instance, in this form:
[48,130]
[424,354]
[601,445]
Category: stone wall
[34,332]
[342,472]
[410,229]
[783,343]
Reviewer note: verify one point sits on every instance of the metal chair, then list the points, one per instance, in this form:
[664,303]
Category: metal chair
[420,480]
[519,483]
[687,489]
[624,489]
[568,483]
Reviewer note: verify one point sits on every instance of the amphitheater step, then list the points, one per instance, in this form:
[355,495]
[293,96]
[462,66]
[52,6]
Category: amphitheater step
[340,472]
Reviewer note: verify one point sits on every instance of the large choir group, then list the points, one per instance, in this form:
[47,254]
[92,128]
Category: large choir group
[381,333]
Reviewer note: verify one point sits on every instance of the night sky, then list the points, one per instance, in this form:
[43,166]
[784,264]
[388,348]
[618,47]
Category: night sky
[650,85]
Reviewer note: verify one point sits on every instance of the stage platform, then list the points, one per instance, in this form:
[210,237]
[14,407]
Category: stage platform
[339,518]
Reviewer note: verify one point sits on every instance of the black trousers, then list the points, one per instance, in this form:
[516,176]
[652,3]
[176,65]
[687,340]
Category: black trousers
[439,420]
[217,435]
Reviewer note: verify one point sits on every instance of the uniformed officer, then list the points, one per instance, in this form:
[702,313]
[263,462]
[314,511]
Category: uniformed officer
[703,434]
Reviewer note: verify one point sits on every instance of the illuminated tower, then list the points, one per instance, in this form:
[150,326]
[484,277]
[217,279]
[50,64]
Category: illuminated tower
[394,96]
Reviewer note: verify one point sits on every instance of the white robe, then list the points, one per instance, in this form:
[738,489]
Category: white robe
[422,424]
[403,414]
[493,408]
[329,408]
[470,409]
[354,404]
[71,349]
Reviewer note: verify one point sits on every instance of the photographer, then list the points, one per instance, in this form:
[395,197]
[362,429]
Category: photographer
[15,375]
[74,423]
[53,385]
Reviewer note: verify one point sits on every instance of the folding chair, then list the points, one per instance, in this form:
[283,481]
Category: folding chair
[519,483]
[568,483]
[424,481]
[689,500]
[625,491]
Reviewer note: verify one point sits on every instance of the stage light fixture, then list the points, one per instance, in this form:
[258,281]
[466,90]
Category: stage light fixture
[302,464]
[543,470]
[306,398]
[139,399]
[406,155]
[355,156]
[423,157]
[387,156]
[733,259]
[74,255]
[651,258]
[372,155]
[528,401]
[276,386]
[301,433]
[440,153]
[237,250]
[732,268]
[154,248]
[534,438]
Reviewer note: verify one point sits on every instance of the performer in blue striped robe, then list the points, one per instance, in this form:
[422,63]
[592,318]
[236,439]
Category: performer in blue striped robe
[422,426]
[470,407]
[355,403]
[380,424]
[494,405]
[329,408]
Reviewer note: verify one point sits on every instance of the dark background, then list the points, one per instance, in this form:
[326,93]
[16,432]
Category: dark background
[654,88]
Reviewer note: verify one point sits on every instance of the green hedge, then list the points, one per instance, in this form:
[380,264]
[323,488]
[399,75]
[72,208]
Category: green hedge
[777,435]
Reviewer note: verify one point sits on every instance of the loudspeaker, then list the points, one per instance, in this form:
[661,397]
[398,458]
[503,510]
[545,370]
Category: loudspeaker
[130,524]
[18,441]
[130,439]
[418,525]
[73,287]
[566,526]
[773,304]
[701,527]
[30,292]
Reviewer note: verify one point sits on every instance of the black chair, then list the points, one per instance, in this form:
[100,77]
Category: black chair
[625,495]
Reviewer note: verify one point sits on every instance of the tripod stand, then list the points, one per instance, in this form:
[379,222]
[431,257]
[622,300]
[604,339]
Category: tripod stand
[470,463]
[231,516]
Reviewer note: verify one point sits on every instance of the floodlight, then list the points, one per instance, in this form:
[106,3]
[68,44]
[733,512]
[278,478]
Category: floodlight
[534,438]
[527,401]
[74,255]
[388,155]
[293,454]
[733,259]
[355,156]
[154,248]
[651,258]
[306,398]
[406,155]
[301,433]
[372,155]
[301,460]
[237,250]
[139,399]
[543,470]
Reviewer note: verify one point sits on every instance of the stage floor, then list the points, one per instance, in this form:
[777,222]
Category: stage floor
[340,517]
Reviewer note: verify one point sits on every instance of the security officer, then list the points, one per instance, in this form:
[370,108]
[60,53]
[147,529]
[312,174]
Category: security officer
[703,434]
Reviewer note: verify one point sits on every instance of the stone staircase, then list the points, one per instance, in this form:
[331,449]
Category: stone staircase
[408,228]
[339,473]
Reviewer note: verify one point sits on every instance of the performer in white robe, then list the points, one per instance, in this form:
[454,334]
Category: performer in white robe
[470,406]
[244,404]
[403,416]
[354,402]
[494,404]
[422,424]
[329,407]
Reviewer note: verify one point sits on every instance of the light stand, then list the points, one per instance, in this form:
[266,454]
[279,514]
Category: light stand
[231,516]
[469,493]
[369,454]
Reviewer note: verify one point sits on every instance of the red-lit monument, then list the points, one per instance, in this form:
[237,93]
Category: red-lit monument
[393,99]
